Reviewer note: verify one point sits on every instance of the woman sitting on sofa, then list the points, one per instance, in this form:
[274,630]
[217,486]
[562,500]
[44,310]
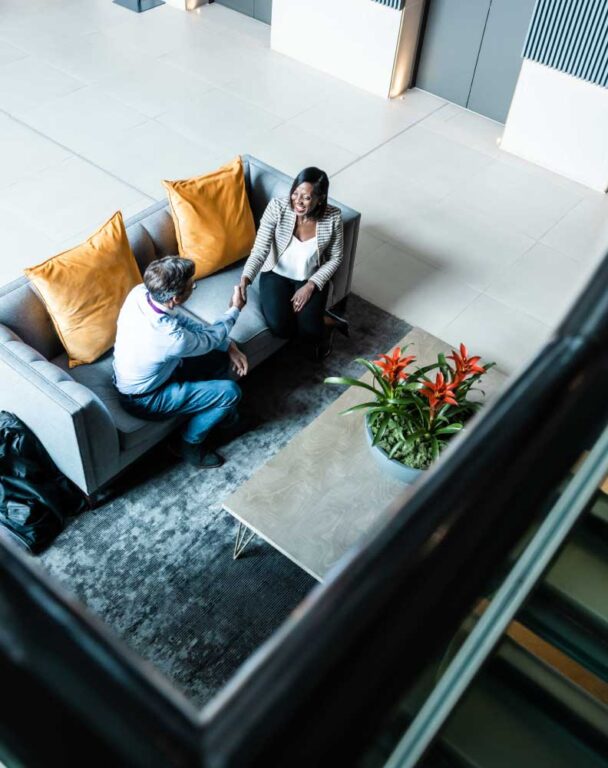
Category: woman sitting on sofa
[298,249]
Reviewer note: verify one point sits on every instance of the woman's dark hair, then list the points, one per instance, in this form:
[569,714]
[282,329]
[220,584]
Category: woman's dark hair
[320,189]
[168,277]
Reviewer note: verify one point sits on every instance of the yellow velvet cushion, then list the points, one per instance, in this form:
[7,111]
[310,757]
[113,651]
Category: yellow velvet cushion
[212,216]
[84,288]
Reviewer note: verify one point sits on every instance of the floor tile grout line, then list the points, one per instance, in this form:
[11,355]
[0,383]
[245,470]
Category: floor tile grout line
[78,155]
[523,312]
[561,218]
[463,310]
[384,143]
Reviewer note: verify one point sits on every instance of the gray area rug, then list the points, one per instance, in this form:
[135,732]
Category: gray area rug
[155,562]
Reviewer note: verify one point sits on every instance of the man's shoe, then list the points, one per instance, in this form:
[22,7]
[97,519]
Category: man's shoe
[207,459]
[195,454]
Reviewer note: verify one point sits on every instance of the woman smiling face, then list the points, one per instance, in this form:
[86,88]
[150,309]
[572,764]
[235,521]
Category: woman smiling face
[303,200]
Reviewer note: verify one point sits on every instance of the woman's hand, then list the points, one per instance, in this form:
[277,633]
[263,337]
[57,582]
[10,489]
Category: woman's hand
[302,296]
[238,360]
[237,299]
[243,285]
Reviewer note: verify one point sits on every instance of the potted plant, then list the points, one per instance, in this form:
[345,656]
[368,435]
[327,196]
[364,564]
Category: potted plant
[414,414]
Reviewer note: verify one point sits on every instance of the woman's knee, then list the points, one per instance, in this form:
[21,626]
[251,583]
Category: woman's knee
[279,327]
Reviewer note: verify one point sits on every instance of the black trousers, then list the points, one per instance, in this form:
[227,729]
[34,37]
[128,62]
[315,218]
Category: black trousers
[276,293]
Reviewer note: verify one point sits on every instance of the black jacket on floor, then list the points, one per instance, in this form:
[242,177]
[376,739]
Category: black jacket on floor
[35,498]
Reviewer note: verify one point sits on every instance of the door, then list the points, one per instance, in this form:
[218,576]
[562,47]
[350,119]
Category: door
[471,52]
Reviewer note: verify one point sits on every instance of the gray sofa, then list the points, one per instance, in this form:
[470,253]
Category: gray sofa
[76,413]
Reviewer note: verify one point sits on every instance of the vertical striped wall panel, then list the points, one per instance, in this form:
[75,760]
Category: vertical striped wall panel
[398,5]
[572,36]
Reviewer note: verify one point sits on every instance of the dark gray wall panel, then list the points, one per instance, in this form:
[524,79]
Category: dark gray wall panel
[259,9]
[499,60]
[452,40]
[262,10]
[244,6]
[571,36]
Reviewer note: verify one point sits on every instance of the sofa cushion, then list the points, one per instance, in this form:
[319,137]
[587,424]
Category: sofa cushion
[97,376]
[212,216]
[84,288]
[210,301]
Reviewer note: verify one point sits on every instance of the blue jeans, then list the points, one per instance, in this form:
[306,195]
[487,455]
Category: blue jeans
[199,386]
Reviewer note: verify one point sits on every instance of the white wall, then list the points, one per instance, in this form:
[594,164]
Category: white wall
[561,123]
[354,40]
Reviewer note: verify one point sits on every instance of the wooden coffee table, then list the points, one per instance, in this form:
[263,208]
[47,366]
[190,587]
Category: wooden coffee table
[323,492]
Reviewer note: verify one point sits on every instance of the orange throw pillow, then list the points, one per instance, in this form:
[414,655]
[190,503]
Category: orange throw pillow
[212,216]
[84,288]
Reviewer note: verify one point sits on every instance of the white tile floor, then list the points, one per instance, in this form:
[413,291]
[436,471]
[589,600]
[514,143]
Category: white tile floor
[97,104]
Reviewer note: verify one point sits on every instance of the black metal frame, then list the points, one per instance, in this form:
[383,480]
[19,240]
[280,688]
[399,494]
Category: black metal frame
[316,692]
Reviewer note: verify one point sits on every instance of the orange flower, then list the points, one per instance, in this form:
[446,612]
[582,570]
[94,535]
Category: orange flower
[465,365]
[439,392]
[393,366]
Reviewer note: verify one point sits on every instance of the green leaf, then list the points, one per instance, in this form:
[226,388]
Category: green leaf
[422,412]
[449,430]
[394,450]
[348,381]
[381,432]
[422,371]
[377,374]
[435,447]
[361,407]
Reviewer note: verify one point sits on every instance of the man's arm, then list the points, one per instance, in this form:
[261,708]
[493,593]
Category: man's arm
[196,338]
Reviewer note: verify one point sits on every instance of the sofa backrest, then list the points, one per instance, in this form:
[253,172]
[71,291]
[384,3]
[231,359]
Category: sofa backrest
[24,313]
[152,235]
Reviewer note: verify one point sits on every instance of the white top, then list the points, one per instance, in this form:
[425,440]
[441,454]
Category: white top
[299,260]
[152,339]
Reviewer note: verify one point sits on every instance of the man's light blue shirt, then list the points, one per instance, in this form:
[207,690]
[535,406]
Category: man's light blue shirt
[152,339]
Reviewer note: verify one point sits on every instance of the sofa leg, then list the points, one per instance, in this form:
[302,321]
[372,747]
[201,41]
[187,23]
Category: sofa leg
[90,501]
[96,499]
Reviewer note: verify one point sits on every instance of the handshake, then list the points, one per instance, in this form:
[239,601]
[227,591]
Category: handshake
[239,294]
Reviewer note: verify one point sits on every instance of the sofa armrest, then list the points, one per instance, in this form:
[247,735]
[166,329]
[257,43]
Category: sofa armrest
[72,423]
[342,280]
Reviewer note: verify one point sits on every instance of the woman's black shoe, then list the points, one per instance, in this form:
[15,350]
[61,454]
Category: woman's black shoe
[339,323]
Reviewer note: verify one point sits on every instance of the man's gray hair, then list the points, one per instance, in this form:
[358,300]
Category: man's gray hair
[168,277]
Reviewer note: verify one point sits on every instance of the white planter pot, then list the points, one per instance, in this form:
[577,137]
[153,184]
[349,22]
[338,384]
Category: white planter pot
[392,467]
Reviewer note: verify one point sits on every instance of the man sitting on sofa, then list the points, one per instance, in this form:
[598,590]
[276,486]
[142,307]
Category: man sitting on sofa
[166,363]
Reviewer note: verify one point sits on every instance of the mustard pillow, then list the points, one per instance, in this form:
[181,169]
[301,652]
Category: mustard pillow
[84,288]
[212,216]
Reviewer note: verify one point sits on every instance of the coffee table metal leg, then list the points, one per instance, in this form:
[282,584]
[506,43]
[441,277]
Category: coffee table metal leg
[243,537]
